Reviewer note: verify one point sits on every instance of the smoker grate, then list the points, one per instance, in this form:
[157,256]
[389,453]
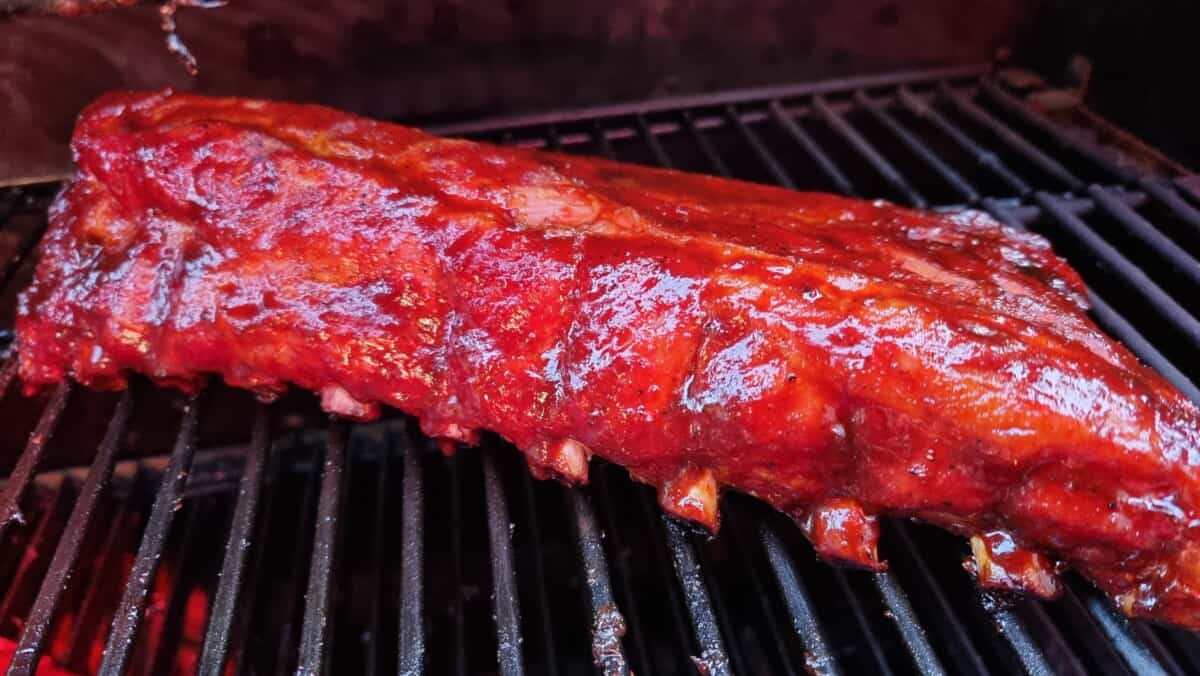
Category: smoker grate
[321,566]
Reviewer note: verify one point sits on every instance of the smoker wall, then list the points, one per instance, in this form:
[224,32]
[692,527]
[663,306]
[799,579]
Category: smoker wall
[421,58]
[1144,63]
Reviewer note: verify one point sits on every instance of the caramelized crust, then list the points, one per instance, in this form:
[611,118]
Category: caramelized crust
[839,359]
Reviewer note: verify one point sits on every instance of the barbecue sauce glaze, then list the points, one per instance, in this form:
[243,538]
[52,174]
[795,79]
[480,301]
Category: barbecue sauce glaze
[839,359]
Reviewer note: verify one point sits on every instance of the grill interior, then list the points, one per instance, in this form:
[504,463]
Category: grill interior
[272,539]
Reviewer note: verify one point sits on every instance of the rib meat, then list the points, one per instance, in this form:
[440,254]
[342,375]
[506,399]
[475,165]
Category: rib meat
[839,359]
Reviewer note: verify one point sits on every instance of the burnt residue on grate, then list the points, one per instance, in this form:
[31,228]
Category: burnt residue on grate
[228,537]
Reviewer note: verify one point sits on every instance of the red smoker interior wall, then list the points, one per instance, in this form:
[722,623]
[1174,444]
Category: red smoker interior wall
[423,58]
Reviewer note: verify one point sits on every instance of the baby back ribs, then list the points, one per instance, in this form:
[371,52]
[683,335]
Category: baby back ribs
[839,359]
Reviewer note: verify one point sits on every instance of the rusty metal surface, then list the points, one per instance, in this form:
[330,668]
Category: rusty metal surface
[439,59]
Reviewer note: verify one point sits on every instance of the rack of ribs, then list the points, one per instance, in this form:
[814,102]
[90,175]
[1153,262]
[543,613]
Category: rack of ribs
[839,359]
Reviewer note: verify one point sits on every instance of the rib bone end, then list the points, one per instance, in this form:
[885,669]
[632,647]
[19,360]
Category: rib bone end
[841,530]
[566,459]
[335,399]
[998,563]
[692,494]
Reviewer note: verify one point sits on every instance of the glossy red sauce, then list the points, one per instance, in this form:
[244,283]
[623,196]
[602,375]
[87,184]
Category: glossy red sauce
[839,359]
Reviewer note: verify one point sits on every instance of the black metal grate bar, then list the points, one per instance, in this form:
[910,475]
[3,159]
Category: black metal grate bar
[633,636]
[769,160]
[297,573]
[66,554]
[1008,623]
[1189,185]
[378,549]
[456,557]
[1155,645]
[608,624]
[245,512]
[1087,633]
[868,152]
[675,104]
[242,617]
[29,564]
[1164,193]
[553,140]
[702,142]
[123,636]
[1033,117]
[601,140]
[774,636]
[89,623]
[772,164]
[372,441]
[967,657]
[713,660]
[819,658]
[911,631]
[314,633]
[1181,261]
[666,577]
[861,622]
[412,562]
[155,648]
[504,584]
[982,156]
[1137,278]
[542,609]
[812,149]
[733,647]
[1186,645]
[917,147]
[1057,650]
[1014,140]
[1119,634]
[651,141]
[18,482]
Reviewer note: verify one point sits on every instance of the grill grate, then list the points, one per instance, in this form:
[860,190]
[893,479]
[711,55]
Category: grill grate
[325,568]
[223,614]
